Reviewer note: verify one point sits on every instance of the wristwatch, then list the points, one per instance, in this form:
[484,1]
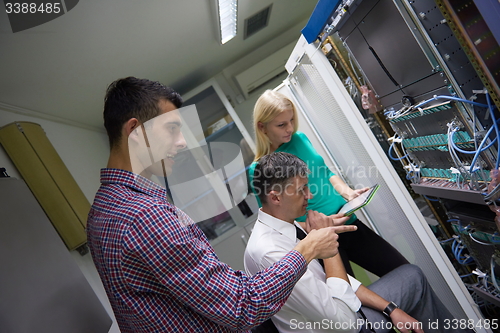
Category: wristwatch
[389,308]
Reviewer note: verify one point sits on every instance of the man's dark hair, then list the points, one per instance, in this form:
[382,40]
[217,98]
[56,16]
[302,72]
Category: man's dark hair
[134,98]
[275,171]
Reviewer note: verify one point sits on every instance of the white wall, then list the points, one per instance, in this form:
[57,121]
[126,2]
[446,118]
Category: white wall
[85,152]
[245,109]
[231,88]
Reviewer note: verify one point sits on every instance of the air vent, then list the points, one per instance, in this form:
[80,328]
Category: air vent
[257,22]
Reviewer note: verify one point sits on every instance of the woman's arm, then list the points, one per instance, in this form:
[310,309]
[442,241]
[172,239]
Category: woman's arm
[344,190]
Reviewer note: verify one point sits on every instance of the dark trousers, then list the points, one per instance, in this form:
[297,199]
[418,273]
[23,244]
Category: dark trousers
[368,250]
[408,287]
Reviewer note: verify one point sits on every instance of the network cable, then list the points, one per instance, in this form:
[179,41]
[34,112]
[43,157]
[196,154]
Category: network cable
[492,269]
[391,114]
[490,108]
[391,149]
[461,170]
[492,243]
[436,97]
[457,249]
[462,259]
[430,199]
[412,169]
[478,241]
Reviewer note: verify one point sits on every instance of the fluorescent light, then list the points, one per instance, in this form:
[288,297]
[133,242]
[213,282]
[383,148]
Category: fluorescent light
[228,12]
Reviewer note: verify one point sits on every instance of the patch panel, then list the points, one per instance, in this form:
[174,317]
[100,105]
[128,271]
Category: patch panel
[421,112]
[438,142]
[448,174]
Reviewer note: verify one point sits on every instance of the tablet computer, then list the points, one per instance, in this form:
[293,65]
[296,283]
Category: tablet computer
[360,201]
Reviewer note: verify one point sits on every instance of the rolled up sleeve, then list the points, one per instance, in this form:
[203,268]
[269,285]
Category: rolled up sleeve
[344,291]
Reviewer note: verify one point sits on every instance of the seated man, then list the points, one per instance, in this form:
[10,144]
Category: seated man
[326,299]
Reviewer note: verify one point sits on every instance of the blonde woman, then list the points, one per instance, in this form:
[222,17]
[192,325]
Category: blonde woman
[275,125]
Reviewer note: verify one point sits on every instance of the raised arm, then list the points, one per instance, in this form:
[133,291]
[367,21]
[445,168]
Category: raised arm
[344,190]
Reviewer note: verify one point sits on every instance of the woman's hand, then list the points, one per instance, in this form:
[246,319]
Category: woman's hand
[344,190]
[356,193]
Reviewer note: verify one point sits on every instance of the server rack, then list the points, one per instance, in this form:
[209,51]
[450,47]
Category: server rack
[370,89]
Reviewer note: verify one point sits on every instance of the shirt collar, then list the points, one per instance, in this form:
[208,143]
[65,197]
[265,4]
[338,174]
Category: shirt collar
[132,180]
[280,226]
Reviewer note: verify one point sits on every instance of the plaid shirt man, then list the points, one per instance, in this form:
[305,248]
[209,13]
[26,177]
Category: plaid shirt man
[160,272]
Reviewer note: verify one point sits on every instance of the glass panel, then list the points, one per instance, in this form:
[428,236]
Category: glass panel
[220,130]
[216,226]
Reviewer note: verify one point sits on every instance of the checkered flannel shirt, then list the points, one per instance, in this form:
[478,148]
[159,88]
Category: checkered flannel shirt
[160,272]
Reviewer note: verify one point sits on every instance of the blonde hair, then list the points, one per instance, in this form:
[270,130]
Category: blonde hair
[269,105]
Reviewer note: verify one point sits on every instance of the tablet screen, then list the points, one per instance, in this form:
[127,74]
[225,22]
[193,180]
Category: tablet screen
[358,202]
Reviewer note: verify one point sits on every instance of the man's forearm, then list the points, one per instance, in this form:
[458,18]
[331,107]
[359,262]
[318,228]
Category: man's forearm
[335,268]
[370,299]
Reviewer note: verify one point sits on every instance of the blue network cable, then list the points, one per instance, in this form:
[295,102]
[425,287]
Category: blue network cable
[457,250]
[495,238]
[430,199]
[482,143]
[466,275]
[452,98]
[447,240]
[391,148]
[490,108]
[476,156]
[495,124]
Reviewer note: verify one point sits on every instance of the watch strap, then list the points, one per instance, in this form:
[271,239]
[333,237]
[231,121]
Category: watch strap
[390,308]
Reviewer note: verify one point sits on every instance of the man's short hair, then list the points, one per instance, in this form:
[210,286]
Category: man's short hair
[131,97]
[275,171]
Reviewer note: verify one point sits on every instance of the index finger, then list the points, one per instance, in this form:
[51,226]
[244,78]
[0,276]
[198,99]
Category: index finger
[344,228]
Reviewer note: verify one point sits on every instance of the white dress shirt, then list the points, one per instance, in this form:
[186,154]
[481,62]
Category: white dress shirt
[317,304]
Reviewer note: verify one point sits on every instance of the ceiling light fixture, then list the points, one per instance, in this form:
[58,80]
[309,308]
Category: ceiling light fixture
[227,11]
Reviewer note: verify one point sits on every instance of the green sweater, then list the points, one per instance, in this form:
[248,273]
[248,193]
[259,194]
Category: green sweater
[325,199]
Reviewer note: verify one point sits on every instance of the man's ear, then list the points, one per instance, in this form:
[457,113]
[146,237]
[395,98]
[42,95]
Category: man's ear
[261,127]
[130,126]
[274,198]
